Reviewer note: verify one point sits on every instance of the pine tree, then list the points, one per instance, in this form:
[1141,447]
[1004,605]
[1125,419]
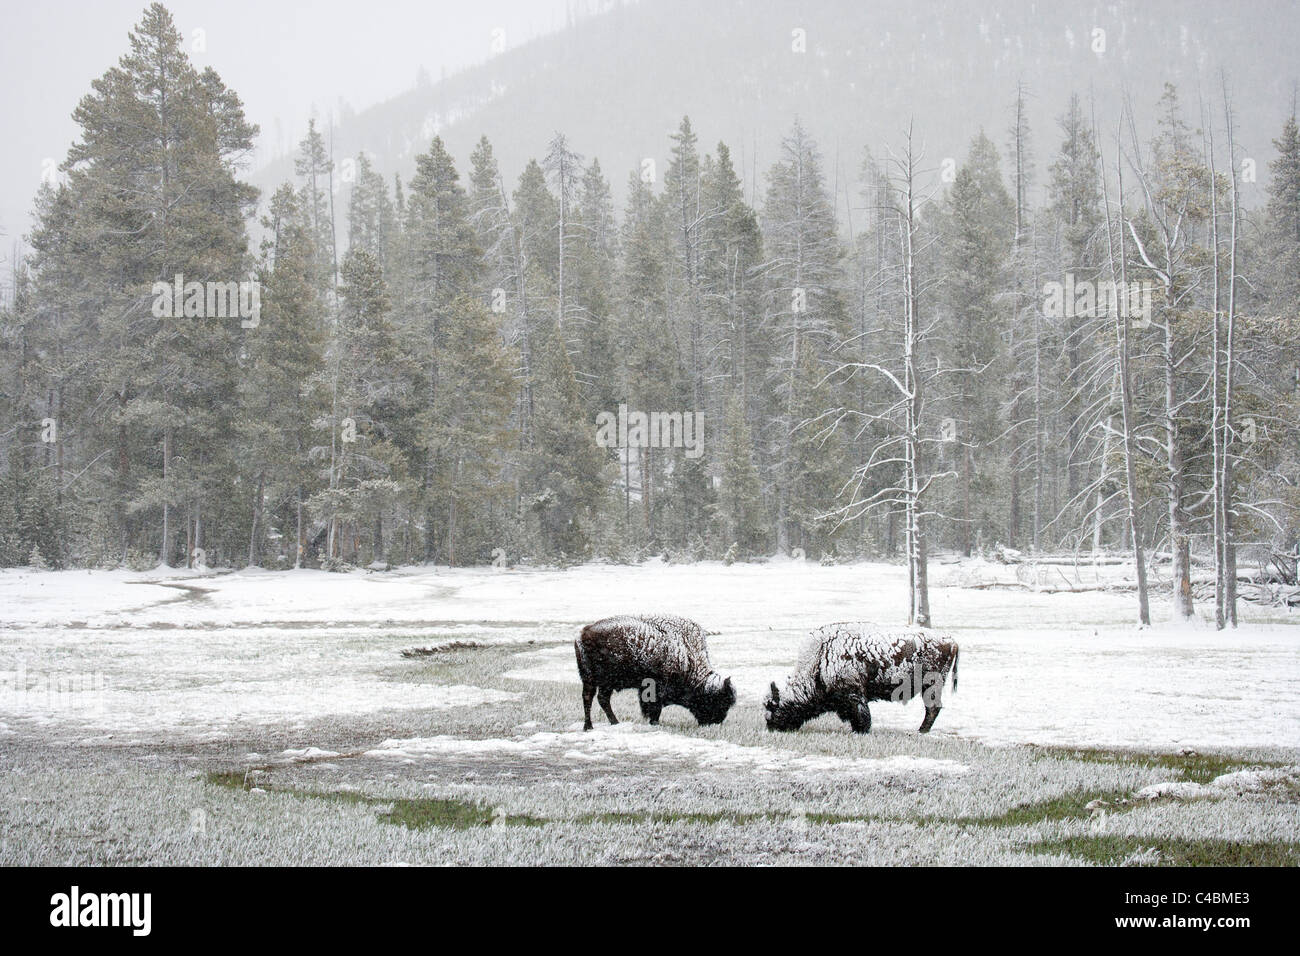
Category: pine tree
[1075,199]
[803,273]
[563,168]
[592,295]
[443,263]
[364,378]
[31,519]
[1284,217]
[277,410]
[469,434]
[370,213]
[566,468]
[819,462]
[316,170]
[731,249]
[740,500]
[652,365]
[685,216]
[151,194]
[490,216]
[500,234]
[980,225]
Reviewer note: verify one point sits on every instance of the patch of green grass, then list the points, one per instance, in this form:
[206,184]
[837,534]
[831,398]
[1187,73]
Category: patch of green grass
[1064,807]
[1196,767]
[1113,850]
[425,812]
[674,816]
[1202,768]
[830,819]
[348,797]
[414,813]
[234,779]
[421,813]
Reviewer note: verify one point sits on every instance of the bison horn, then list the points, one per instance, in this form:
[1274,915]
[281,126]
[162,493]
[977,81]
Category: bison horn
[776,694]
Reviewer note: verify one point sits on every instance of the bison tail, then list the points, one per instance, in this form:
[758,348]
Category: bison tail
[956,652]
[578,650]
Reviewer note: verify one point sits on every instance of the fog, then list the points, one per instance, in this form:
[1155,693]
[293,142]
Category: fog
[283,59]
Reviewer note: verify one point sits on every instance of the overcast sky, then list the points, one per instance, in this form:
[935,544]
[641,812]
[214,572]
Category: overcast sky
[282,58]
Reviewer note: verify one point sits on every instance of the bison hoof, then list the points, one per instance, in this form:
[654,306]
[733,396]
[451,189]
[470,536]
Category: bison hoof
[587,726]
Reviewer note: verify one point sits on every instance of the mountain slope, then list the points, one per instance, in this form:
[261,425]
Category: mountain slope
[618,82]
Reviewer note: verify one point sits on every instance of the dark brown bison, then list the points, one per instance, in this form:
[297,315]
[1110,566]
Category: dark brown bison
[664,658]
[843,666]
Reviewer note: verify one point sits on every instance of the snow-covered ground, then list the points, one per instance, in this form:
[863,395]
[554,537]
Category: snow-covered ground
[192,654]
[120,693]
[630,739]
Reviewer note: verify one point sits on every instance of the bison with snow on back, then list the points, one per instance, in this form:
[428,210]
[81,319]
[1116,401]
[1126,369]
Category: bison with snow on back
[844,666]
[664,658]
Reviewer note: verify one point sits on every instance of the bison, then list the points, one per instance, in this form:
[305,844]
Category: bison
[663,657]
[843,666]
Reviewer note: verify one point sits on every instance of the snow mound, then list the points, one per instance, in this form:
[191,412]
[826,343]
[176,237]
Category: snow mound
[1257,781]
[626,740]
[306,754]
[1178,789]
[1229,784]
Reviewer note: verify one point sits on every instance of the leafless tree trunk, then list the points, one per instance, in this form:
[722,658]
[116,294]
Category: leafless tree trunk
[257,516]
[1171,225]
[164,550]
[918,582]
[1229,434]
[1126,388]
[1217,434]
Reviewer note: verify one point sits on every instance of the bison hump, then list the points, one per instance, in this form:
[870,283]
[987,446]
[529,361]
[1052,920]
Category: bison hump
[661,643]
[866,644]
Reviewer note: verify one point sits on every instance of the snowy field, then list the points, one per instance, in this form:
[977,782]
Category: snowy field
[272,717]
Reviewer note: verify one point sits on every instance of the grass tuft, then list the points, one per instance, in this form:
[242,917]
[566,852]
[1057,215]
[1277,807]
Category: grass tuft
[674,816]
[234,779]
[426,812]
[1110,850]
[449,647]
[1067,806]
[414,813]
[1196,767]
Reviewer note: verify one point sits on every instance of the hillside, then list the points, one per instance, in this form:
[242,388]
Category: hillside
[616,83]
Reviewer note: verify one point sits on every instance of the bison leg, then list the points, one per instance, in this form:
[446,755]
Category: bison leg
[588,692]
[931,712]
[603,695]
[652,711]
[859,717]
[933,697]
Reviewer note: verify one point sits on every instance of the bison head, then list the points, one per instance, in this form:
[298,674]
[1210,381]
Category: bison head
[710,705]
[779,715]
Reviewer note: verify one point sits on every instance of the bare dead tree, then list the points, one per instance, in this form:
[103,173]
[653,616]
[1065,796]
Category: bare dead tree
[1122,324]
[902,450]
[1170,210]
